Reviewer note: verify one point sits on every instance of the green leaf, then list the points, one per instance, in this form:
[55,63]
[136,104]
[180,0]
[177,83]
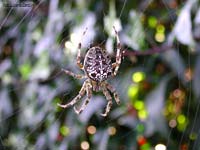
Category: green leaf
[25,70]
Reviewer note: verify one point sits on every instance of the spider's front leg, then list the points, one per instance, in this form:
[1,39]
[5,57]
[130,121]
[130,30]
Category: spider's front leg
[78,58]
[118,54]
[109,104]
[75,100]
[89,95]
[77,76]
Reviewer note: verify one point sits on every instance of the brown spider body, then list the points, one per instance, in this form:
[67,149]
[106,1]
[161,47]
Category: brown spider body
[97,64]
[98,68]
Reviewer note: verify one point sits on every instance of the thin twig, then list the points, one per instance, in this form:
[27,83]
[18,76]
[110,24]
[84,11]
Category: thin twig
[151,51]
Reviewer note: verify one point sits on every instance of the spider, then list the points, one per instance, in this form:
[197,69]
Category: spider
[98,68]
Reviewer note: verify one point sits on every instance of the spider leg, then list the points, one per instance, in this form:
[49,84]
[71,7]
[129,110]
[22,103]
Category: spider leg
[75,100]
[118,55]
[112,90]
[77,76]
[89,95]
[109,104]
[78,58]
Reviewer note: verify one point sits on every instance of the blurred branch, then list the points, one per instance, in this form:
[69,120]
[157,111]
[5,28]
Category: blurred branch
[151,51]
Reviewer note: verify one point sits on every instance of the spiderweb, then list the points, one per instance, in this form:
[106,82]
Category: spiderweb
[157,80]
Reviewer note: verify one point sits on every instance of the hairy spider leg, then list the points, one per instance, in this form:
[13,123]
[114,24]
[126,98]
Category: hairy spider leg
[78,58]
[109,104]
[113,91]
[75,100]
[77,76]
[87,100]
[118,54]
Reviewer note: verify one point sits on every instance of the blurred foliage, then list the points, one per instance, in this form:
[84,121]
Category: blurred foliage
[159,92]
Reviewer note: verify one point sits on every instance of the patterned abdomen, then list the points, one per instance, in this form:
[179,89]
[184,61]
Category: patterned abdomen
[97,64]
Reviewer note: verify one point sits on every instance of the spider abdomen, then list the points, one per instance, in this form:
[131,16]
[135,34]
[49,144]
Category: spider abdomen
[97,64]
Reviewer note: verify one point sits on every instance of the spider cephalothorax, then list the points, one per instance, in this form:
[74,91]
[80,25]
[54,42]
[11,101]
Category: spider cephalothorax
[98,68]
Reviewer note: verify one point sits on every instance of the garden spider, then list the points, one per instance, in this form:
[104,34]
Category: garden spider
[98,68]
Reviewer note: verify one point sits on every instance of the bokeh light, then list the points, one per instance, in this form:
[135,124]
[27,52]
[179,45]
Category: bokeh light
[140,128]
[68,45]
[160,147]
[85,145]
[172,123]
[142,114]
[75,38]
[133,91]
[182,122]
[160,28]
[160,37]
[91,129]
[139,105]
[141,140]
[160,33]
[152,21]
[138,77]
[181,127]
[112,130]
[181,119]
[64,130]
[146,146]
[193,136]
[72,45]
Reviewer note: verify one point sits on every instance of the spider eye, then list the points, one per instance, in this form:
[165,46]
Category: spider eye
[93,75]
